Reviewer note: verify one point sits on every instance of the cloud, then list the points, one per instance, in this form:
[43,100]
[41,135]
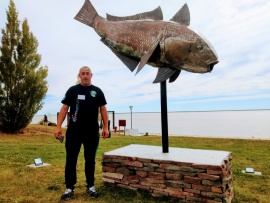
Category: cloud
[239,31]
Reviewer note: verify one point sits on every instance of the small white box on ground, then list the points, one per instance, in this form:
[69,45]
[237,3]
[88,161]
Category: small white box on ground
[249,170]
[39,166]
[132,132]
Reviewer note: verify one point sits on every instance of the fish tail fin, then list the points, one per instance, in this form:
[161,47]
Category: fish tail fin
[87,14]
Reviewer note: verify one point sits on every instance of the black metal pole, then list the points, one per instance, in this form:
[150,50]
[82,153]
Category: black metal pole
[164,117]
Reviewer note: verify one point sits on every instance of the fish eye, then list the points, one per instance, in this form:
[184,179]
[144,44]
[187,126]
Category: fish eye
[200,47]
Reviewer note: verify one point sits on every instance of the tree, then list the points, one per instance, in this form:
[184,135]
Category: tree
[22,79]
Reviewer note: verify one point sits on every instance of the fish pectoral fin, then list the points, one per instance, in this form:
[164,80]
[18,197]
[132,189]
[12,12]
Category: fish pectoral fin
[154,15]
[175,75]
[146,57]
[166,73]
[182,16]
[129,62]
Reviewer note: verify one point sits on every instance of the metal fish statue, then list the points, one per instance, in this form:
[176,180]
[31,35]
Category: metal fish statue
[145,38]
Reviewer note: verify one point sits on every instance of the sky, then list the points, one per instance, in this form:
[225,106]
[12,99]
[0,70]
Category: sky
[238,30]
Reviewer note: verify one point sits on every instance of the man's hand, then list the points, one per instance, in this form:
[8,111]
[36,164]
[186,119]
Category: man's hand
[58,132]
[105,133]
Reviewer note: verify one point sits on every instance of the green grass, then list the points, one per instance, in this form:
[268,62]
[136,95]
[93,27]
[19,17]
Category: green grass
[22,184]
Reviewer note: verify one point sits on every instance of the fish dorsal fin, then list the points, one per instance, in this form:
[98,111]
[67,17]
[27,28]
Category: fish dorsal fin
[129,62]
[166,73]
[154,15]
[182,16]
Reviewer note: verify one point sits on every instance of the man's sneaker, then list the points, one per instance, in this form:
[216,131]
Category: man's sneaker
[67,194]
[91,192]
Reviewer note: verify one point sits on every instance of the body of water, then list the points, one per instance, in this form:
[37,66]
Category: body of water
[254,124]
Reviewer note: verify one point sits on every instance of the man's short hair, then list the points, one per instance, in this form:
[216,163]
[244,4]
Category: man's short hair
[85,67]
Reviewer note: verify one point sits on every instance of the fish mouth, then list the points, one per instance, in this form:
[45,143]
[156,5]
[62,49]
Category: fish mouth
[211,65]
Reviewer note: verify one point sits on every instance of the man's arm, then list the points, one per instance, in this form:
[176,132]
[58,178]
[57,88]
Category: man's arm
[60,119]
[104,115]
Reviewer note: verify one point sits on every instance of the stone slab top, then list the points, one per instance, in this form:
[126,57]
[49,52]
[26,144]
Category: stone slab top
[195,156]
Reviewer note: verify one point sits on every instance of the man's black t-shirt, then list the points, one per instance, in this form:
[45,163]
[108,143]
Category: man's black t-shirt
[84,103]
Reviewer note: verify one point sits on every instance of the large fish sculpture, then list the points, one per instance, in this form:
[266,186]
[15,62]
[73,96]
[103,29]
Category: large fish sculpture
[145,38]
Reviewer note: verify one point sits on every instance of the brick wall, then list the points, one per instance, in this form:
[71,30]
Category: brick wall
[189,182]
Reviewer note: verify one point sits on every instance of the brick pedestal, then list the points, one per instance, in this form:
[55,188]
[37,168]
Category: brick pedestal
[191,175]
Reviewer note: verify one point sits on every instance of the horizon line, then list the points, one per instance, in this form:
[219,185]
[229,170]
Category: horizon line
[175,111]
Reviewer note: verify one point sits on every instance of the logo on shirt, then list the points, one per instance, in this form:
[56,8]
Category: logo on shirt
[93,93]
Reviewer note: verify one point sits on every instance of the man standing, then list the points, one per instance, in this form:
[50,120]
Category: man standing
[84,100]
[45,120]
